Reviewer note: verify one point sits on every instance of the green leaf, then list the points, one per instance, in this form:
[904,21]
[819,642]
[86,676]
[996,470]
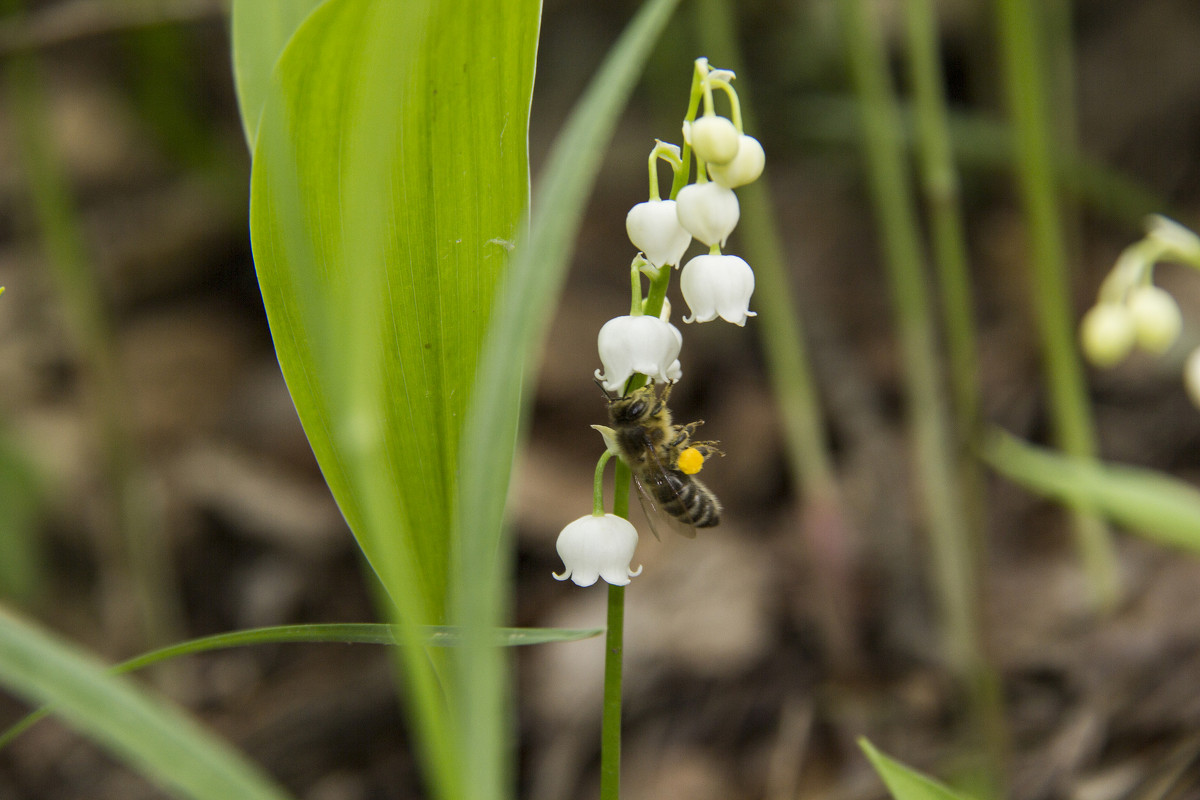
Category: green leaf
[905,783]
[1157,506]
[20,508]
[361,633]
[389,180]
[260,31]
[148,733]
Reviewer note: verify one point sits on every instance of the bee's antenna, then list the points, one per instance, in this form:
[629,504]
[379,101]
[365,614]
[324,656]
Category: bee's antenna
[599,383]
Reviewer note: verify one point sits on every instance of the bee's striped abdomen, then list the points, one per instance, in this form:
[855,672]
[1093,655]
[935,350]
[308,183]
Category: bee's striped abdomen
[688,500]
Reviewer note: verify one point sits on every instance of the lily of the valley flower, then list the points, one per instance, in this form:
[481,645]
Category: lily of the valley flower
[642,344]
[595,547]
[1107,334]
[654,229]
[717,285]
[714,139]
[1156,318]
[746,166]
[708,211]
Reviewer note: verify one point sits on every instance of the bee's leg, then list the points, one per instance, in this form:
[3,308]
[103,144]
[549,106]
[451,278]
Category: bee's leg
[684,433]
[682,436]
[666,392]
[708,449]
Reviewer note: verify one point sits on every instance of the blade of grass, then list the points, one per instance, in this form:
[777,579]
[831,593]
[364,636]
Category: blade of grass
[939,181]
[150,734]
[983,145]
[346,633]
[1049,290]
[133,557]
[903,782]
[927,408]
[832,541]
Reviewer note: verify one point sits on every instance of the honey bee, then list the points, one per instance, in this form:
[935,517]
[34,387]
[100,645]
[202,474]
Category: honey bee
[646,439]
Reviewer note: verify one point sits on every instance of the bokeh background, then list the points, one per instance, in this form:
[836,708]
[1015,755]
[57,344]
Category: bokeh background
[155,484]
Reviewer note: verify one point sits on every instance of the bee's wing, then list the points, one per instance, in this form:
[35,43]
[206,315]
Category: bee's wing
[650,507]
[656,482]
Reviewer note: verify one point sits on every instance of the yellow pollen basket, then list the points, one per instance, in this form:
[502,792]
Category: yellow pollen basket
[690,461]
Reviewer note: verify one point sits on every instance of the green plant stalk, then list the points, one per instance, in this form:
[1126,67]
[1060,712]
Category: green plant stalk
[610,731]
[1071,413]
[614,648]
[779,320]
[940,183]
[984,145]
[794,386]
[610,723]
[144,555]
[941,495]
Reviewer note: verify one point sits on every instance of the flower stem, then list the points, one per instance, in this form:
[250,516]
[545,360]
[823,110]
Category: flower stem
[1074,430]
[927,407]
[614,646]
[598,485]
[610,734]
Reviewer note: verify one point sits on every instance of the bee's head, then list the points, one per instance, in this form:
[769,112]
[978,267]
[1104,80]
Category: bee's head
[633,407]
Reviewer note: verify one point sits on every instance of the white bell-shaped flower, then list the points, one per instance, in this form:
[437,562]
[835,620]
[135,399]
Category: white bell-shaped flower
[1156,318]
[642,344]
[1107,334]
[717,285]
[654,229]
[714,139]
[745,167]
[708,211]
[595,547]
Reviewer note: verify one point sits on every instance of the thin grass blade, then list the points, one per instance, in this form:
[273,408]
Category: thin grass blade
[148,733]
[903,782]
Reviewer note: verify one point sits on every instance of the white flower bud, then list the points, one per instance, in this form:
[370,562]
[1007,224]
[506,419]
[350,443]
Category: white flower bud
[708,211]
[745,168]
[654,229]
[714,139]
[594,547]
[717,285]
[1107,334]
[642,344]
[1156,318]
